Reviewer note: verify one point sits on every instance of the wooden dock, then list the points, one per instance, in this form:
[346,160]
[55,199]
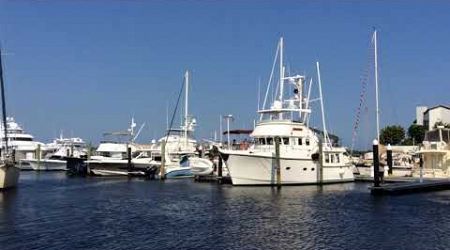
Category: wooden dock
[213,178]
[387,179]
[411,187]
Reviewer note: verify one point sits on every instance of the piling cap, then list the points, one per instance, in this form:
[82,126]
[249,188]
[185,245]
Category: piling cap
[389,147]
[375,142]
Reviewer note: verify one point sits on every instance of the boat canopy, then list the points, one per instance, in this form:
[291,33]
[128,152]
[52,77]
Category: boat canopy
[239,132]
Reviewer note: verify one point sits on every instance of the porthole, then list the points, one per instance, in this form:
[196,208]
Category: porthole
[304,169]
[287,168]
[312,169]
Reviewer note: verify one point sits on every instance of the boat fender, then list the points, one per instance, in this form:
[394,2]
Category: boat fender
[315,157]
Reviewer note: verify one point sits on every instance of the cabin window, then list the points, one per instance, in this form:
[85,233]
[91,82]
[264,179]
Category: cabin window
[261,141]
[327,158]
[285,140]
[307,142]
[269,141]
[332,158]
[337,158]
[293,141]
[300,141]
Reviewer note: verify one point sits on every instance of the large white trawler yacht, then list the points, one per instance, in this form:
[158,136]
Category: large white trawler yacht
[21,142]
[287,120]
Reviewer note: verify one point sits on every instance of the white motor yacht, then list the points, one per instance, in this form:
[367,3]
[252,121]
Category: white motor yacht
[111,157]
[287,121]
[435,153]
[56,153]
[21,142]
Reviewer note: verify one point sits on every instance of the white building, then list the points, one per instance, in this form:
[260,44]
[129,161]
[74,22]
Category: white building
[419,114]
[430,116]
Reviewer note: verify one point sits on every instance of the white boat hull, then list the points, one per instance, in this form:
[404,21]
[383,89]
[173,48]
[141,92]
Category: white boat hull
[119,167]
[200,166]
[259,170]
[9,176]
[48,165]
[24,165]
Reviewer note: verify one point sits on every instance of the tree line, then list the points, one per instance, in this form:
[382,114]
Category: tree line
[396,134]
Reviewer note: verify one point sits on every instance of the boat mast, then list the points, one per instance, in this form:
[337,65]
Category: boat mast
[306,117]
[186,80]
[5,129]
[325,132]
[376,83]
[281,76]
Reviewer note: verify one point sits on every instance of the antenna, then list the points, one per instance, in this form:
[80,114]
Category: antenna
[139,131]
[306,118]
[221,130]
[270,79]
[281,75]
[167,115]
[259,91]
[186,103]
[325,133]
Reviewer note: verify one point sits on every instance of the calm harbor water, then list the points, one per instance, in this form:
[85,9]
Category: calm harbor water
[52,211]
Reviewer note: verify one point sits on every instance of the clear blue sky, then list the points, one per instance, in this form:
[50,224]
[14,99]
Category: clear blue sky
[88,66]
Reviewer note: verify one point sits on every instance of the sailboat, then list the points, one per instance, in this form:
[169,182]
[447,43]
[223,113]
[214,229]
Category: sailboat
[402,163]
[298,161]
[9,173]
[179,144]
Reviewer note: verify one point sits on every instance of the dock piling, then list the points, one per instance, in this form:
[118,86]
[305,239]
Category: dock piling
[219,170]
[277,160]
[129,159]
[421,168]
[162,169]
[376,164]
[38,155]
[389,158]
[321,156]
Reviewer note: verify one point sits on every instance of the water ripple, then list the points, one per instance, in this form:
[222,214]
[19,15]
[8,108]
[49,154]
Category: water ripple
[51,211]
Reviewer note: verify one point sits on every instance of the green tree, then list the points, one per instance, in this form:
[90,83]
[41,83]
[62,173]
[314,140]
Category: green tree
[392,135]
[417,133]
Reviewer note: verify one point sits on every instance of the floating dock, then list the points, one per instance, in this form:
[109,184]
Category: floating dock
[387,179]
[411,187]
[213,178]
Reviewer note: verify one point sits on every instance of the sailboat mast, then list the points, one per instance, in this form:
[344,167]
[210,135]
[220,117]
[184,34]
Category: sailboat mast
[325,132]
[186,103]
[281,75]
[376,84]
[2,85]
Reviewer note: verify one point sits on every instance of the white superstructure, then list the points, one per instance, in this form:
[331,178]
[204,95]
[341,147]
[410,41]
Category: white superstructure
[18,140]
[287,120]
[111,157]
[53,155]
[435,153]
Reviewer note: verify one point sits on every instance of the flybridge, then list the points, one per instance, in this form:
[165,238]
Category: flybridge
[296,106]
